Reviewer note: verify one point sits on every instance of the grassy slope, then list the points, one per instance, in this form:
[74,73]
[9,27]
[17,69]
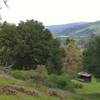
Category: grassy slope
[94,26]
[41,90]
[90,91]
[7,80]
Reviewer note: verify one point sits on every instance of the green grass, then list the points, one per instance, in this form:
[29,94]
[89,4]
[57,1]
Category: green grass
[20,96]
[41,90]
[92,87]
[7,80]
[90,91]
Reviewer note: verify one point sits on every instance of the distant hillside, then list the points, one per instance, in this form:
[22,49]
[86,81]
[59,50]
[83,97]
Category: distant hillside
[66,29]
[80,29]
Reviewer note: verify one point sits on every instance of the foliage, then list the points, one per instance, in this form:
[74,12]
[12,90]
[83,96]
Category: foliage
[23,74]
[8,43]
[92,56]
[52,81]
[40,72]
[60,81]
[73,59]
[55,61]
[77,84]
[33,48]
[29,44]
[69,40]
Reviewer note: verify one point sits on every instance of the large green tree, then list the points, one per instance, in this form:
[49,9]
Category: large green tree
[92,56]
[33,46]
[29,44]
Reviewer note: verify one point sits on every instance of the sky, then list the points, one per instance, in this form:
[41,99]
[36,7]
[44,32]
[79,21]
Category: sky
[51,12]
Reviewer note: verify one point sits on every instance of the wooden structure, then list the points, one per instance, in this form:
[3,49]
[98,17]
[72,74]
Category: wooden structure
[84,77]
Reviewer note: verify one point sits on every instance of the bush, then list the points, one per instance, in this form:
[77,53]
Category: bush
[53,81]
[22,74]
[77,84]
[39,73]
[57,81]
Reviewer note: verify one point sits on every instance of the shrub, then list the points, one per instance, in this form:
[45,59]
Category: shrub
[60,81]
[77,84]
[41,71]
[22,74]
[38,73]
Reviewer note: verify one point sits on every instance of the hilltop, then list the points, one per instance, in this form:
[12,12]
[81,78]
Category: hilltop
[79,28]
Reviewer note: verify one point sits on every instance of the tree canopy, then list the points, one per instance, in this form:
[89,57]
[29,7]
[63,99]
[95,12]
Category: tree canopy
[92,56]
[29,44]
[73,59]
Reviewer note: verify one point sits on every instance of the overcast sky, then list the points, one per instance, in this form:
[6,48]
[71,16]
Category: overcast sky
[51,12]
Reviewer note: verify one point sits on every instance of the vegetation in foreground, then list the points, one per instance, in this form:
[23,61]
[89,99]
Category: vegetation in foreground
[88,91]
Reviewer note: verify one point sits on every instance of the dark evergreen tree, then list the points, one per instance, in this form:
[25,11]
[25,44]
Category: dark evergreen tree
[92,56]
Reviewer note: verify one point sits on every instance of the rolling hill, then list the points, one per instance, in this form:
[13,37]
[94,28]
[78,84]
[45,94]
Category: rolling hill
[80,29]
